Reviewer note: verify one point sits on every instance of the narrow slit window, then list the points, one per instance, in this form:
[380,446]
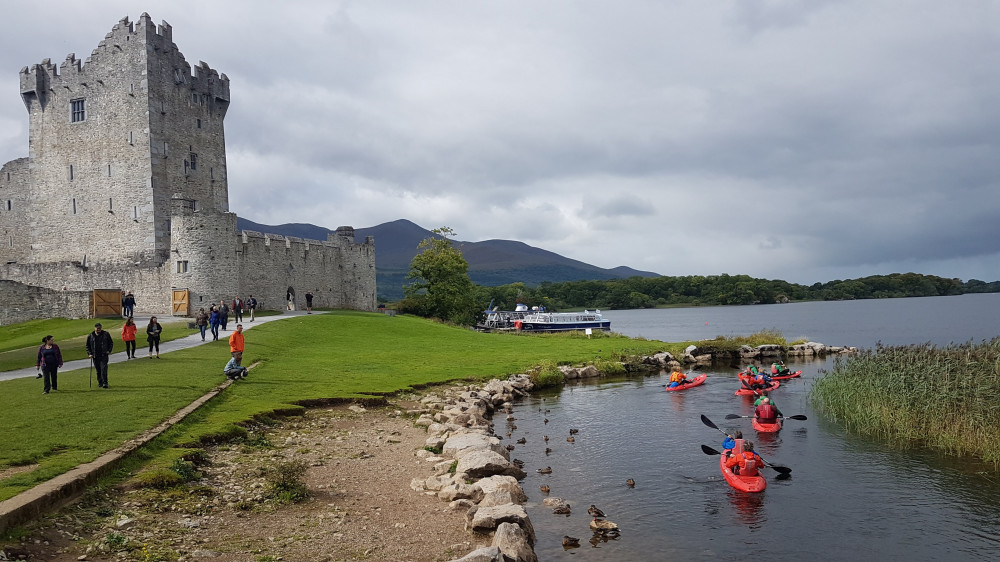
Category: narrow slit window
[111,205]
[199,123]
[211,173]
[135,211]
[164,149]
[131,137]
[109,170]
[8,204]
[194,161]
[70,172]
[74,205]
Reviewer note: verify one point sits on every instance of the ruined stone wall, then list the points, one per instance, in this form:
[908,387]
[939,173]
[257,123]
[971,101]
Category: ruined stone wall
[149,283]
[15,241]
[23,302]
[339,272]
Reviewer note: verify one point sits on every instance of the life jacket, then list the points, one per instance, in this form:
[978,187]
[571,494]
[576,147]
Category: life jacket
[748,464]
[774,368]
[766,413]
[676,376]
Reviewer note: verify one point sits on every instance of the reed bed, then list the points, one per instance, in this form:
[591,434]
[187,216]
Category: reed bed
[945,398]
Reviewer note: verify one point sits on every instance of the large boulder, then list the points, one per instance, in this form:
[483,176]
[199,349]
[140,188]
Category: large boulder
[458,445]
[483,463]
[514,542]
[486,519]
[485,554]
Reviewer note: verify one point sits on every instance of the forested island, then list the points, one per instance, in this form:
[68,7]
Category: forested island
[713,290]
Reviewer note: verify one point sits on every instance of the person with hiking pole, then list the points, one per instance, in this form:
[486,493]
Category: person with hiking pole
[99,346]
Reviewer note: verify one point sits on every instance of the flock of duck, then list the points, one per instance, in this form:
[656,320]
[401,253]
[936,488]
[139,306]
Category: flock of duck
[603,529]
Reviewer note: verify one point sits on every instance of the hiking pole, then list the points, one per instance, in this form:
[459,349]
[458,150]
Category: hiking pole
[91,372]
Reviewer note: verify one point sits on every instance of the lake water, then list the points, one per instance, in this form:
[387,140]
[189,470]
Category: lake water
[848,499]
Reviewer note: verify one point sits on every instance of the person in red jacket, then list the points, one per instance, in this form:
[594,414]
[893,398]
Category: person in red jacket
[128,336]
[745,463]
[766,412]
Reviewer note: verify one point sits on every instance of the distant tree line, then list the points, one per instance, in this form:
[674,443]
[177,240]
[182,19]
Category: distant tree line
[441,288]
[712,290]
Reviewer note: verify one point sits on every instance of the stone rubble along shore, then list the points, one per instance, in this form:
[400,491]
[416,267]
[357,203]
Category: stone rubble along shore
[459,427]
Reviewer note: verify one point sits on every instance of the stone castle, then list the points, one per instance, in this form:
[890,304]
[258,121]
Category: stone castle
[125,188]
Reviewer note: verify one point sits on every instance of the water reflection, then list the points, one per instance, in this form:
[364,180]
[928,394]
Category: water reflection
[749,508]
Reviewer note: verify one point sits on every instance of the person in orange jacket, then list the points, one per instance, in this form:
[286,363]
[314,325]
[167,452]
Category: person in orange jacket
[745,463]
[128,336]
[236,343]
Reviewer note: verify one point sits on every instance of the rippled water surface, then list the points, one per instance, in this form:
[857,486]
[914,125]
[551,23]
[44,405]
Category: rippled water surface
[848,498]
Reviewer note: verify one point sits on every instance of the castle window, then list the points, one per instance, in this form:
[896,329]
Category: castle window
[135,212]
[74,205]
[109,170]
[164,149]
[77,110]
[8,204]
[131,138]
[194,161]
[194,97]
[182,266]
[70,172]
[111,205]
[211,173]
[11,239]
[199,122]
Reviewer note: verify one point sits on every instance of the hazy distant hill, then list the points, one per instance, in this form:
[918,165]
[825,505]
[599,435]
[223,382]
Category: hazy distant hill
[491,262]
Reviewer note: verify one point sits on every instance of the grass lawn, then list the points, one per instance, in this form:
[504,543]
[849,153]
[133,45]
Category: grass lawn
[19,342]
[343,354]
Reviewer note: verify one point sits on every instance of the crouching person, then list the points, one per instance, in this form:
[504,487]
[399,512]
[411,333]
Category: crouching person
[234,370]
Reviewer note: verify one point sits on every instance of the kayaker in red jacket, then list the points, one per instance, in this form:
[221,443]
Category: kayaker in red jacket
[745,463]
[766,412]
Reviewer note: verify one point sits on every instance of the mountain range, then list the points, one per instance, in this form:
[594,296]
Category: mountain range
[491,262]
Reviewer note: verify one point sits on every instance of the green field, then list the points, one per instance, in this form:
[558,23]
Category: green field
[343,354]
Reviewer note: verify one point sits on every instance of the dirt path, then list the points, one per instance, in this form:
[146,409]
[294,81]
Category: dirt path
[358,467]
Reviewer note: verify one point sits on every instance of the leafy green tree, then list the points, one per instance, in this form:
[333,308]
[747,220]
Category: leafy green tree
[441,286]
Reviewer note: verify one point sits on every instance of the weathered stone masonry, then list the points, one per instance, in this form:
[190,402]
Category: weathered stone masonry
[125,186]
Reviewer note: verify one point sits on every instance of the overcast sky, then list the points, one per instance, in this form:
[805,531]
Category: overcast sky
[806,140]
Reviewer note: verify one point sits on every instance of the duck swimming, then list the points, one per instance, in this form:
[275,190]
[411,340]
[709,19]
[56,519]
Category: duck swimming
[630,483]
[546,470]
[570,542]
[574,431]
[571,440]
[544,488]
[561,510]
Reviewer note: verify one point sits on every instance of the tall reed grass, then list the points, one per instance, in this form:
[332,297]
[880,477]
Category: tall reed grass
[945,398]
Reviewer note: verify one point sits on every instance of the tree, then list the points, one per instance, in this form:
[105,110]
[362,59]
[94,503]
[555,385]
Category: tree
[441,286]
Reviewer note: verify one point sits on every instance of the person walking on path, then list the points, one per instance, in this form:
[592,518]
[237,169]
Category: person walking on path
[201,320]
[252,304]
[309,302]
[128,304]
[153,336]
[99,346]
[237,309]
[224,315]
[215,319]
[128,336]
[49,362]
[236,343]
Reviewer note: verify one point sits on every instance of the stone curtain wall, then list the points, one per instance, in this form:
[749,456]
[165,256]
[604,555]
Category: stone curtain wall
[151,285]
[15,242]
[339,272]
[22,303]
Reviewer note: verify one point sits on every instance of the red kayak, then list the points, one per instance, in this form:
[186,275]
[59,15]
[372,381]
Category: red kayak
[694,382]
[766,427]
[744,391]
[790,375]
[741,483]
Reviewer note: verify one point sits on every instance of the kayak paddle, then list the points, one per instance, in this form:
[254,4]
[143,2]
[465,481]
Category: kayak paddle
[799,417]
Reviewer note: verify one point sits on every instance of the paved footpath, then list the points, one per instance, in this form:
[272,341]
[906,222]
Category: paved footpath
[165,347]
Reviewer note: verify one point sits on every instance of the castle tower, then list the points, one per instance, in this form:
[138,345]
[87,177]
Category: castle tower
[114,144]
